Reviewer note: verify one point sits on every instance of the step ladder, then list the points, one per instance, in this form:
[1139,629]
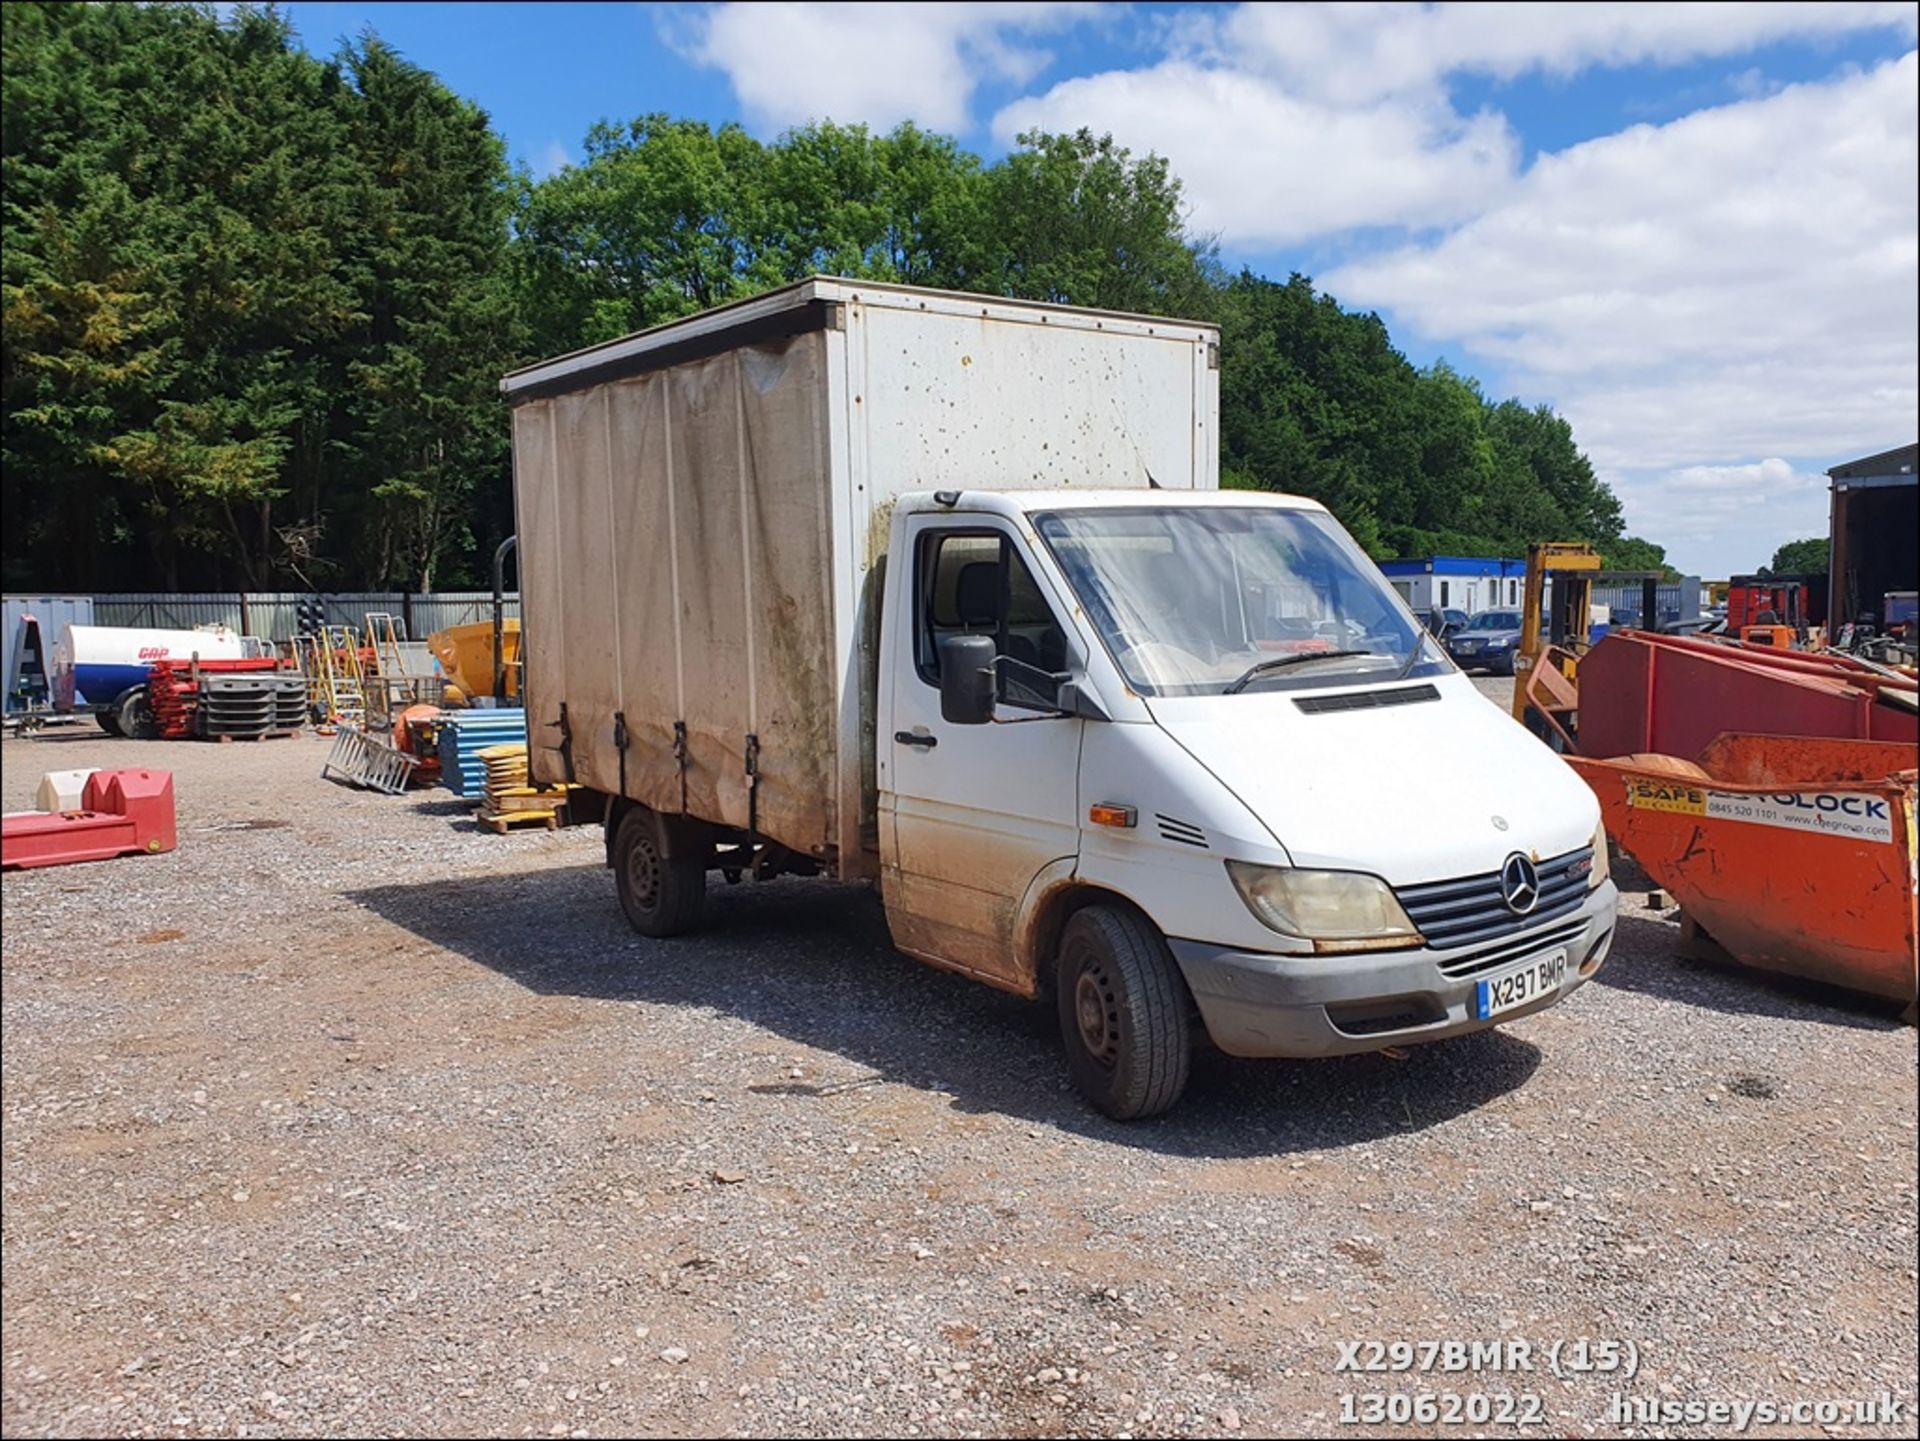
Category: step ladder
[368,761]
[384,635]
[343,695]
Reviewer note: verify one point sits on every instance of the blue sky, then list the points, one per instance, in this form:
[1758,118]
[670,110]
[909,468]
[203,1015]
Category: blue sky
[1690,228]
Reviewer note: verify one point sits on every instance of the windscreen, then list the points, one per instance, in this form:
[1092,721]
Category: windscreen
[1194,600]
[1496,620]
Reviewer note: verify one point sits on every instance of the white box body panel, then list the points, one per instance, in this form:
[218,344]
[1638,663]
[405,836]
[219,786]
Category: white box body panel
[703,510]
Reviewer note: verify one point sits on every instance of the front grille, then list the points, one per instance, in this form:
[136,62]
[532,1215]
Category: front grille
[1185,832]
[1472,909]
[1365,699]
[1491,958]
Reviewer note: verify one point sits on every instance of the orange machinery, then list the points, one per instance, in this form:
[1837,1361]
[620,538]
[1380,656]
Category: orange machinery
[1796,603]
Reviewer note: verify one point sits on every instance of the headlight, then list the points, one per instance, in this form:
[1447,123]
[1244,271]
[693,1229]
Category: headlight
[1600,864]
[1500,642]
[1336,910]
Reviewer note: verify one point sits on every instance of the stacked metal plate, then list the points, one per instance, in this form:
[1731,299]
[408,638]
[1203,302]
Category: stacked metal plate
[464,734]
[249,706]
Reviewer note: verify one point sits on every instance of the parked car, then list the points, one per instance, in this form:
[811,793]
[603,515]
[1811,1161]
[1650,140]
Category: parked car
[1487,641]
[1443,621]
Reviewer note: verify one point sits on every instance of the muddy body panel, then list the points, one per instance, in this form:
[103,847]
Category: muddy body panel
[703,511]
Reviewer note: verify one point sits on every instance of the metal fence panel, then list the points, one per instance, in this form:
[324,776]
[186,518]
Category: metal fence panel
[460,607]
[275,616]
[162,611]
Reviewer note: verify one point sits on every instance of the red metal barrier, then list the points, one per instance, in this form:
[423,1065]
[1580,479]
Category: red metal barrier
[1671,695]
[126,813]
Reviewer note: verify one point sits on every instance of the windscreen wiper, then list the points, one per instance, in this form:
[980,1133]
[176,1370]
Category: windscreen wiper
[1281,662]
[1419,646]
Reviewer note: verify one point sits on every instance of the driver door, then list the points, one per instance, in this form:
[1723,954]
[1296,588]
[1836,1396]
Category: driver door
[971,814]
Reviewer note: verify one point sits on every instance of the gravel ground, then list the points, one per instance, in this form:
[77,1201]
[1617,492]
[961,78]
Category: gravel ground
[351,1117]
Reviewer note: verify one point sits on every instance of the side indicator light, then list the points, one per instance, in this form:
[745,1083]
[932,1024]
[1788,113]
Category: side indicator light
[1103,813]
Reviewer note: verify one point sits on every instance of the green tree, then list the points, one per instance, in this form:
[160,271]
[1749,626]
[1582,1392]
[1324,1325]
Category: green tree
[663,218]
[424,426]
[248,294]
[1316,401]
[1078,220]
[171,204]
[1627,553]
[1812,556]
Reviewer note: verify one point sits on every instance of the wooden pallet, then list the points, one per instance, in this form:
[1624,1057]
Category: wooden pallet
[499,822]
[525,798]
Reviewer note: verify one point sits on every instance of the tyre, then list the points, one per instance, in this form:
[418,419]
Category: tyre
[134,718]
[1504,666]
[662,896]
[1123,1013]
[109,721]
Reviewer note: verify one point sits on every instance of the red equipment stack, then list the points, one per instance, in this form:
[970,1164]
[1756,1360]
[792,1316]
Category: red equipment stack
[211,699]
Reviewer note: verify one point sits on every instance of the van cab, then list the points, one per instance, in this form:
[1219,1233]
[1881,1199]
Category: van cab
[1208,720]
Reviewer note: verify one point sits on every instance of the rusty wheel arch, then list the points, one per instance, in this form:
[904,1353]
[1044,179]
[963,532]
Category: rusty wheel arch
[616,809]
[1040,941]
[676,834]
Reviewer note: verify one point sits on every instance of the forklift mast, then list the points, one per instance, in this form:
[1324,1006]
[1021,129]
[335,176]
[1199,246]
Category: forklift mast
[1573,567]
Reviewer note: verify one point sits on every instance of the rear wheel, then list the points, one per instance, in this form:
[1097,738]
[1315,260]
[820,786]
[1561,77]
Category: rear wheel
[662,895]
[109,721]
[1123,1013]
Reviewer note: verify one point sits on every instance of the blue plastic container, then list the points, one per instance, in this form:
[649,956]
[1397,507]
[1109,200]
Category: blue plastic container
[463,735]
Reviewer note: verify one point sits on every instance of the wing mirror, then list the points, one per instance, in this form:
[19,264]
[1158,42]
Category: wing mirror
[967,679]
[971,672]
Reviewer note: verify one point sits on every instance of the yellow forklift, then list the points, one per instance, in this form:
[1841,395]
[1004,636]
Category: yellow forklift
[1552,639]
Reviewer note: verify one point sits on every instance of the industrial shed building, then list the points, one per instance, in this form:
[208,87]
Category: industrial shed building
[1875,517]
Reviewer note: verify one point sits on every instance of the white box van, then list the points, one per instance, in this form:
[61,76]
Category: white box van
[938,592]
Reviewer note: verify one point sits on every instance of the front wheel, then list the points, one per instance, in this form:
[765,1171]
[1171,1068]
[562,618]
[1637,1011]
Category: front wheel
[1123,1013]
[662,895]
[134,716]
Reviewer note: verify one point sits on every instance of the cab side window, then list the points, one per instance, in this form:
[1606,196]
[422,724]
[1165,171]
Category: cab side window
[976,583]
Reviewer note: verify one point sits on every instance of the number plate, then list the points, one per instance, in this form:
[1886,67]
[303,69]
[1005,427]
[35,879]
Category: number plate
[1539,977]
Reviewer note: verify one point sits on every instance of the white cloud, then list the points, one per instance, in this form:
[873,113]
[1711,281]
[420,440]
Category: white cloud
[554,158]
[1694,297]
[877,64]
[1361,52]
[1265,167]
[1288,122]
[1721,520]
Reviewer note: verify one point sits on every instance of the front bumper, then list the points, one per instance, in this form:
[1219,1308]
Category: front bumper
[1268,1005]
[1479,655]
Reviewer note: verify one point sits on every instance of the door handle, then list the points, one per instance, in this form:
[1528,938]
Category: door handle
[916,738]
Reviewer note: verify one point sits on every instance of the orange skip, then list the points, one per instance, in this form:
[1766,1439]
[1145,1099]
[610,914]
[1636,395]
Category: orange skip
[1794,853]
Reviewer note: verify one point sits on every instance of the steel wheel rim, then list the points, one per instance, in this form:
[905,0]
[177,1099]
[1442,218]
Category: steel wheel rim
[1097,1013]
[643,876]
